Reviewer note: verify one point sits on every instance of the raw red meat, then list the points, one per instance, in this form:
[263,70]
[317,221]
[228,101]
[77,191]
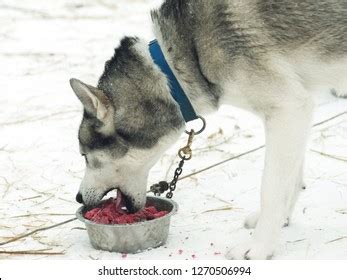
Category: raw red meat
[111,212]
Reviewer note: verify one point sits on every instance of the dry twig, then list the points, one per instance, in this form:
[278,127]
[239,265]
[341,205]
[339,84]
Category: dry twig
[7,185]
[330,119]
[329,155]
[39,214]
[342,211]
[35,231]
[222,162]
[29,198]
[30,252]
[227,208]
[296,241]
[337,239]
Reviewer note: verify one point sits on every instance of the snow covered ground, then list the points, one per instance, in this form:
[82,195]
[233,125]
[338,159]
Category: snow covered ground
[43,44]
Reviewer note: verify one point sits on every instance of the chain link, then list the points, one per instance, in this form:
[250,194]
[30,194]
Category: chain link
[172,185]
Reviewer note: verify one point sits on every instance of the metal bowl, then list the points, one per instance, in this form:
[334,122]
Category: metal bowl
[132,238]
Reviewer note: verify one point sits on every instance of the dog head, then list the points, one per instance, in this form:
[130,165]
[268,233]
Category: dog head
[129,120]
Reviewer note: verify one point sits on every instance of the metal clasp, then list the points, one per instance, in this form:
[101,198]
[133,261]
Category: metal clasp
[186,152]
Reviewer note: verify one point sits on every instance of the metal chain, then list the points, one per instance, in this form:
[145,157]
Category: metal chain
[185,154]
[178,172]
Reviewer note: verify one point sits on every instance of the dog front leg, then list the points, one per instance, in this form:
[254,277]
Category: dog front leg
[286,136]
[252,219]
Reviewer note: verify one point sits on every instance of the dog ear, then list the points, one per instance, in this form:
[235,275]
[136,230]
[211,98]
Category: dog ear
[94,100]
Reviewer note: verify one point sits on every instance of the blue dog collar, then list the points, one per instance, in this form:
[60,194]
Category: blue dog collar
[176,90]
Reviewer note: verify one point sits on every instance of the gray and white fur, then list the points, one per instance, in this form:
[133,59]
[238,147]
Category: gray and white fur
[266,56]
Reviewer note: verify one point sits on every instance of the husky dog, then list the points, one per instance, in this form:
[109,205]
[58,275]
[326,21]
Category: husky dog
[266,56]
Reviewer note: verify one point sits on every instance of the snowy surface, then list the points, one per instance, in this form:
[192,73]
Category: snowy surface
[43,44]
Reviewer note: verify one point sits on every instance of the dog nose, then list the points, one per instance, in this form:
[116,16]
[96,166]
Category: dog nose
[79,198]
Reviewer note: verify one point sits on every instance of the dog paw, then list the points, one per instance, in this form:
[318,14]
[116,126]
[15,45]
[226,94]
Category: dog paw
[251,251]
[252,220]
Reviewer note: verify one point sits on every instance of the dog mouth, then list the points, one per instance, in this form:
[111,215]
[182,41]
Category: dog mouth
[123,202]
